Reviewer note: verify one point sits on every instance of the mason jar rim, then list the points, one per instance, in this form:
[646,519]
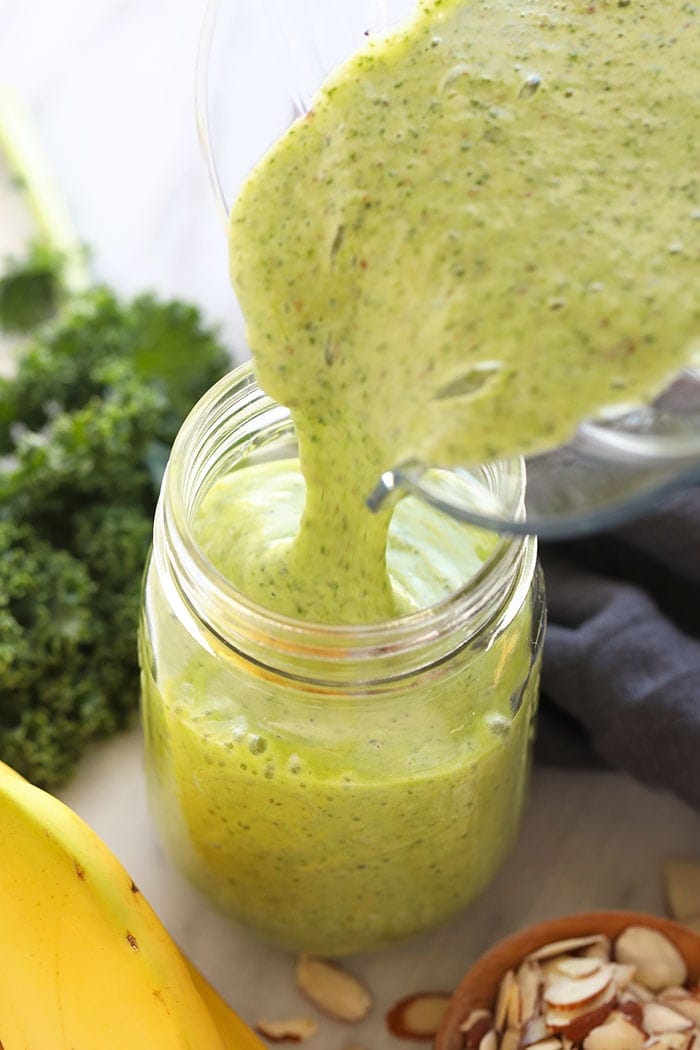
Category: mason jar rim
[235,619]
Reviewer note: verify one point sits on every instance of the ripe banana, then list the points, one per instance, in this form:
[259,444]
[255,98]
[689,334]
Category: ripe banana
[234,1032]
[86,963]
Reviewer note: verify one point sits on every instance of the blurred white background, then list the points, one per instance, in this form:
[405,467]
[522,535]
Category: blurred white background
[110,84]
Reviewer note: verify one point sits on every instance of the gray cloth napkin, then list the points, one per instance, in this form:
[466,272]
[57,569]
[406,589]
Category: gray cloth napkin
[621,666]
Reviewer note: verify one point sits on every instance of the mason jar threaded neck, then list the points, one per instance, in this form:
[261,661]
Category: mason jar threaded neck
[235,420]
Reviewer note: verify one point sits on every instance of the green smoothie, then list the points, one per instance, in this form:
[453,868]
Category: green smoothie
[336,818]
[485,231]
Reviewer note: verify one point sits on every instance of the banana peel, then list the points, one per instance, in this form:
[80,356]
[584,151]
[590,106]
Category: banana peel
[86,961]
[235,1033]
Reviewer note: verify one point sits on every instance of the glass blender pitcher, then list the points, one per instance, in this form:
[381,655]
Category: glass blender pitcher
[259,66]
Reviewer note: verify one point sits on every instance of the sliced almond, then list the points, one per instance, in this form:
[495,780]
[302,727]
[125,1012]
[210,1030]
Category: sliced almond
[632,1009]
[534,1031]
[510,1040]
[418,1016]
[616,1033]
[529,980]
[660,1018]
[570,944]
[583,994]
[475,1028]
[577,1024]
[507,1002]
[681,880]
[671,1041]
[290,1030]
[623,975]
[639,992]
[688,1005]
[657,961]
[602,949]
[478,1016]
[568,993]
[577,965]
[332,989]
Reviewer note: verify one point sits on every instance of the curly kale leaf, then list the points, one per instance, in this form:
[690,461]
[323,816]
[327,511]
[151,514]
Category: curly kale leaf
[164,345]
[50,644]
[31,289]
[85,426]
[92,455]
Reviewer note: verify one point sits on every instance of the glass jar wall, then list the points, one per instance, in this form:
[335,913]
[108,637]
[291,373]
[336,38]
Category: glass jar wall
[335,788]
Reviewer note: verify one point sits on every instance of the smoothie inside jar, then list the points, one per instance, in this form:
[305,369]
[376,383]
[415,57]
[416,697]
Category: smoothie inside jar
[340,806]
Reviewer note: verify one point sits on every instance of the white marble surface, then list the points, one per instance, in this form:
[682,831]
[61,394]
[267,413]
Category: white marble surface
[589,840]
[110,84]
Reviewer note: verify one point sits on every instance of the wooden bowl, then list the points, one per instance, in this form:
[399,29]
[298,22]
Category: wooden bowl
[479,986]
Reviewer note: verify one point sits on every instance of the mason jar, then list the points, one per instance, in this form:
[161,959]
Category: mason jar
[334,787]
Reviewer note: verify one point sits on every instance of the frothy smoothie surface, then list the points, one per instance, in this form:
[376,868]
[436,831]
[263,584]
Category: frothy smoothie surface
[485,230]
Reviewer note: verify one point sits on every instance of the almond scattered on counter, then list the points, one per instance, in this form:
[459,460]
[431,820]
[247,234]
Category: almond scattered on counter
[586,993]
[418,1016]
[290,1030]
[332,989]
